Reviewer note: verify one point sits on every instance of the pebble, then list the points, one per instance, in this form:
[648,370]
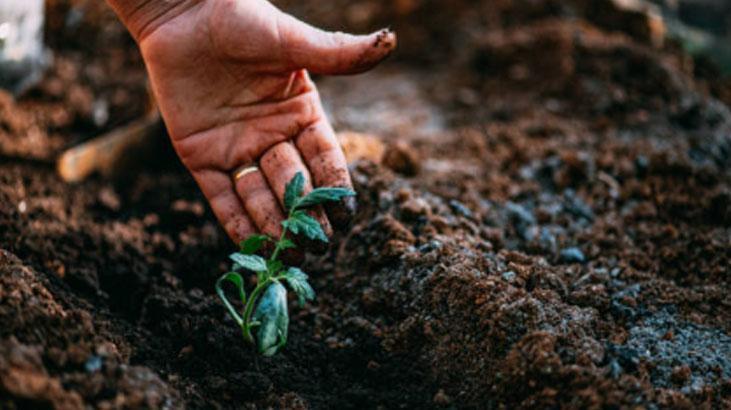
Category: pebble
[641,165]
[572,255]
[430,246]
[509,276]
[414,208]
[576,206]
[522,220]
[460,208]
[520,214]
[402,158]
[108,198]
[93,364]
[548,240]
[441,398]
[681,374]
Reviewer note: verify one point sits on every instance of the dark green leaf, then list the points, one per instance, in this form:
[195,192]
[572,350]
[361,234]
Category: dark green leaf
[321,195]
[251,262]
[237,280]
[297,280]
[252,244]
[274,267]
[302,223]
[286,244]
[293,191]
[271,313]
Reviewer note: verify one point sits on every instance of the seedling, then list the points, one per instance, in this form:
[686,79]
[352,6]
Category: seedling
[265,311]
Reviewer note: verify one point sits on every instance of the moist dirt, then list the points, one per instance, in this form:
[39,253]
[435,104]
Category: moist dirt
[553,229]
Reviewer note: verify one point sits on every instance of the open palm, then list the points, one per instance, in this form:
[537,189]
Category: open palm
[231,81]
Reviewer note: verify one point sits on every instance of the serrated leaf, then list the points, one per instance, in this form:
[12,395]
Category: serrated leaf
[252,244]
[297,280]
[321,195]
[293,190]
[302,223]
[238,281]
[251,262]
[271,313]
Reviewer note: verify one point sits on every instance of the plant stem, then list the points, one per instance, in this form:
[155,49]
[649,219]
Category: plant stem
[277,247]
[249,308]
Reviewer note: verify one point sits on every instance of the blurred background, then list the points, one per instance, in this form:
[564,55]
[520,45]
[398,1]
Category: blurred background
[75,70]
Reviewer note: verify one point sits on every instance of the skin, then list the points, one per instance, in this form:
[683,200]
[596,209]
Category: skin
[231,81]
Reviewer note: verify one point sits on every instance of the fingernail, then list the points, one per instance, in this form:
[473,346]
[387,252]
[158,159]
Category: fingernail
[341,213]
[385,38]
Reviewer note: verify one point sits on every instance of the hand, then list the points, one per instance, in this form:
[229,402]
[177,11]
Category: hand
[231,81]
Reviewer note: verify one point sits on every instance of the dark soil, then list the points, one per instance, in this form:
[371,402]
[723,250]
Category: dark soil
[564,242]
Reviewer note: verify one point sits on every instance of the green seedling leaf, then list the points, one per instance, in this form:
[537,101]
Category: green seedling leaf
[274,266]
[251,262]
[286,244]
[238,281]
[300,222]
[293,190]
[297,280]
[271,313]
[264,320]
[252,244]
[321,195]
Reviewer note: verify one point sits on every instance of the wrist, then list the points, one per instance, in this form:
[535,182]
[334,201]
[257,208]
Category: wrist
[142,17]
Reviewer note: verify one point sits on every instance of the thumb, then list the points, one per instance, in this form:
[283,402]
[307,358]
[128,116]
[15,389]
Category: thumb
[323,52]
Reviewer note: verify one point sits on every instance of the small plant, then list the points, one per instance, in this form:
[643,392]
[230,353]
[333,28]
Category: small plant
[265,310]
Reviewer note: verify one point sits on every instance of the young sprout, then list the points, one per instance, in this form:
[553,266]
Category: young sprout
[265,309]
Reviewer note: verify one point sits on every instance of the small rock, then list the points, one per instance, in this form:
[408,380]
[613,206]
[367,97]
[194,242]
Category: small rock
[509,275]
[357,146]
[395,248]
[107,349]
[518,213]
[642,164]
[22,207]
[93,364]
[572,255]
[332,342]
[574,205]
[109,199]
[402,158]
[681,374]
[185,351]
[615,370]
[460,208]
[414,208]
[627,357]
[194,207]
[430,246]
[373,365]
[441,398]
[548,240]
